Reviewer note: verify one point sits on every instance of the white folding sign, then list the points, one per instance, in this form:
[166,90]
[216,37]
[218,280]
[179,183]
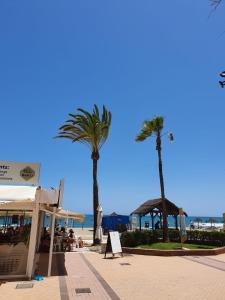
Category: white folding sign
[19,172]
[115,242]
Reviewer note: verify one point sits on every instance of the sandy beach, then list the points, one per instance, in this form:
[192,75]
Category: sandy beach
[86,234]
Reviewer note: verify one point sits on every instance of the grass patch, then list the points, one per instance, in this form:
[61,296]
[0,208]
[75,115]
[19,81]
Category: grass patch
[174,246]
[196,246]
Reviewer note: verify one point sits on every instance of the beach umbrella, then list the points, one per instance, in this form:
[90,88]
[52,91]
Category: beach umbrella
[98,234]
[67,214]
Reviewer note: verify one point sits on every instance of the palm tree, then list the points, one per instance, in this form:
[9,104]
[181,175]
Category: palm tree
[154,127]
[92,130]
[198,220]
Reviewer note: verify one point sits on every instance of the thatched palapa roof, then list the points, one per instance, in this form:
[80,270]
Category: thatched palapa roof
[155,205]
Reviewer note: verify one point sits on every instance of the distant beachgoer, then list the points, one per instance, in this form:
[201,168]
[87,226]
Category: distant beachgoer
[192,226]
[157,225]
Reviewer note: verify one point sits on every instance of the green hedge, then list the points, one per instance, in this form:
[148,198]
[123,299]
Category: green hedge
[136,238]
[213,238]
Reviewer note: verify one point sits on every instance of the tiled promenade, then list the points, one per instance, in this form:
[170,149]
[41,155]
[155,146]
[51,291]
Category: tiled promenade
[137,278]
[83,275]
[208,261]
[80,274]
[154,277]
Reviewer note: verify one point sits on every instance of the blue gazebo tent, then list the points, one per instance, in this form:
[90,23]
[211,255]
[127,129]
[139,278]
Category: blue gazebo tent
[113,221]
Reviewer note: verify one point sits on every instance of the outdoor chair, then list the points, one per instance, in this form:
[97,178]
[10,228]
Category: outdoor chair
[75,243]
[57,244]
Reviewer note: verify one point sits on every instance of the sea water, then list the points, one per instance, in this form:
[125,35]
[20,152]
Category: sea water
[171,220]
[88,221]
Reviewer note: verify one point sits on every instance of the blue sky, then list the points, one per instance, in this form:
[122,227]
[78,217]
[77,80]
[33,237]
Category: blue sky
[140,59]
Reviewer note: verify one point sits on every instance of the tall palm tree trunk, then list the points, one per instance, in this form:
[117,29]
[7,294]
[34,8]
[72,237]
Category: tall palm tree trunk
[164,210]
[95,157]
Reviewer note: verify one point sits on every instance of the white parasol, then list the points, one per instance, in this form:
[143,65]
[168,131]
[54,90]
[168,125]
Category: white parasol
[98,234]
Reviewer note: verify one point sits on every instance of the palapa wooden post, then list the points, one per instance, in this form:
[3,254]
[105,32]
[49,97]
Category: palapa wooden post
[140,222]
[152,221]
[176,223]
[183,234]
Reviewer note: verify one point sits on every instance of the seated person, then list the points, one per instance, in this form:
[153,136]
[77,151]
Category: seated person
[45,233]
[10,234]
[69,239]
[64,236]
[80,242]
[57,232]
[45,241]
[63,232]
[72,238]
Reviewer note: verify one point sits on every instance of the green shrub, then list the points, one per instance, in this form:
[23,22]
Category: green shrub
[135,238]
[174,235]
[121,227]
[145,237]
[213,238]
[128,239]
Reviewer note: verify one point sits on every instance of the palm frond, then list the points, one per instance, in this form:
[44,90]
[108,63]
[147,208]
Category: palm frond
[149,127]
[215,3]
[87,128]
[96,111]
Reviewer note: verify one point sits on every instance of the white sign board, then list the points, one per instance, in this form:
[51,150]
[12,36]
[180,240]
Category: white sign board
[19,172]
[115,242]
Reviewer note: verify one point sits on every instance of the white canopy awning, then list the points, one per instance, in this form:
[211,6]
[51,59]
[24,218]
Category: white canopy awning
[26,197]
[17,193]
[49,196]
[22,197]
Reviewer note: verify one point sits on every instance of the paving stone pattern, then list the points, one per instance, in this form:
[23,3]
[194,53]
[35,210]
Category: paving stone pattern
[81,276]
[207,261]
